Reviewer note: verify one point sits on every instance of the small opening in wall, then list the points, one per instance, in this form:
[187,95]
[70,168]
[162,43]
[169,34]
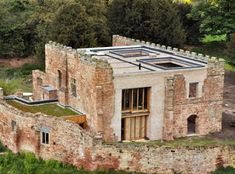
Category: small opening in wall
[13,125]
[191,124]
[193,90]
[44,137]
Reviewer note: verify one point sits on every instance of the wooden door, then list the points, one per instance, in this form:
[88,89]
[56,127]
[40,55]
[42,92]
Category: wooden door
[134,128]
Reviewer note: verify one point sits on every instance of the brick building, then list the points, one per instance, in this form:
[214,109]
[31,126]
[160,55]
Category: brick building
[135,89]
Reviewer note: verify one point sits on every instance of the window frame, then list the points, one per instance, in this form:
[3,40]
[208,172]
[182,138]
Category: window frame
[196,91]
[145,98]
[45,140]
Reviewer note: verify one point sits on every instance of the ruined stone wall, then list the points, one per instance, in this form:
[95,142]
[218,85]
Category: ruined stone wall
[70,144]
[94,85]
[207,107]
[37,88]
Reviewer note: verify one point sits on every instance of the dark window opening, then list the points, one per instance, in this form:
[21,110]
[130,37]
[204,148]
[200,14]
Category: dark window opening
[59,79]
[45,137]
[193,87]
[13,125]
[73,87]
[168,65]
[191,123]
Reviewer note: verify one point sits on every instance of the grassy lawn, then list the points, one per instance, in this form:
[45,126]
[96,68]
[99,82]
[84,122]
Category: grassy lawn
[48,109]
[214,46]
[16,79]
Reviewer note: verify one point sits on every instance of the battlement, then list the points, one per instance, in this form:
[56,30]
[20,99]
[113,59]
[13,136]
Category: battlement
[77,53]
[125,41]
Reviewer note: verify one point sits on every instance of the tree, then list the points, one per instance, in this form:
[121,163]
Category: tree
[190,25]
[217,17]
[17,28]
[81,24]
[152,20]
[230,51]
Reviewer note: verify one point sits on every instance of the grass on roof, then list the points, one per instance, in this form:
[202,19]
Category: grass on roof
[48,109]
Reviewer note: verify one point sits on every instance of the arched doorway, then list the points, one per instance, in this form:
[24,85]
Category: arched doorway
[191,124]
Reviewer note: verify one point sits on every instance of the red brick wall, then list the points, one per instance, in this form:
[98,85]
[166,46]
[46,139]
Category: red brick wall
[94,85]
[70,144]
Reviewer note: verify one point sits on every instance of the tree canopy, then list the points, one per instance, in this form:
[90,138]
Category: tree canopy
[152,20]
[216,17]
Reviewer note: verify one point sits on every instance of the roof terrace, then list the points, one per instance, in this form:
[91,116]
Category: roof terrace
[143,59]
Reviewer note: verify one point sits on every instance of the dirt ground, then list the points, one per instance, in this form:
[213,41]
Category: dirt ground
[228,131]
[17,62]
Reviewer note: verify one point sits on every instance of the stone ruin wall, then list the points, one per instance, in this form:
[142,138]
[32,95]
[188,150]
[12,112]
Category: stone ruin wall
[94,85]
[70,144]
[178,107]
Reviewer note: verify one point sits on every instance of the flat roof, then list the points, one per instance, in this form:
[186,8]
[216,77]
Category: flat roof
[143,59]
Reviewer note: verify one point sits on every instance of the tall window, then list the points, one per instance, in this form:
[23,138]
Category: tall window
[73,87]
[44,137]
[193,90]
[134,99]
[13,125]
[59,79]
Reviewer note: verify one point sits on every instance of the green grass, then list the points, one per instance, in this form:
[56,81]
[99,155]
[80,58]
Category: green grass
[229,67]
[215,38]
[48,109]
[27,163]
[13,80]
[227,170]
[214,48]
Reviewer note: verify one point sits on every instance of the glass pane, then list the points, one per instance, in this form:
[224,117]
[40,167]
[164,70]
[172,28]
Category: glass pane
[145,98]
[140,101]
[126,99]
[123,100]
[135,99]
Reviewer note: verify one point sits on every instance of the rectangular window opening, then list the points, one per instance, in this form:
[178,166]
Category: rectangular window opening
[135,100]
[73,87]
[193,90]
[44,137]
[13,125]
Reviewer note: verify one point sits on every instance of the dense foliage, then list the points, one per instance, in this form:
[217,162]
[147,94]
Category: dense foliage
[216,17]
[26,25]
[151,20]
[190,25]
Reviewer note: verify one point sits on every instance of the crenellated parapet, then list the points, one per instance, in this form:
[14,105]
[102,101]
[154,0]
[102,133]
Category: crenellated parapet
[125,41]
[77,53]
